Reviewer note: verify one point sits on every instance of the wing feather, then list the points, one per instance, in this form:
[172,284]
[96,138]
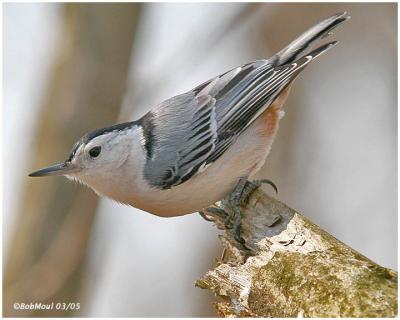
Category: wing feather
[182,152]
[208,119]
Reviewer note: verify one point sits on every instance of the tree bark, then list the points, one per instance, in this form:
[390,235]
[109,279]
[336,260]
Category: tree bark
[295,269]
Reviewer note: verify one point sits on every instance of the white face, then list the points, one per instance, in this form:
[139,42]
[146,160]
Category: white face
[110,163]
[101,158]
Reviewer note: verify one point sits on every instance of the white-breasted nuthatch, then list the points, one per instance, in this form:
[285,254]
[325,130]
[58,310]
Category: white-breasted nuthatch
[191,150]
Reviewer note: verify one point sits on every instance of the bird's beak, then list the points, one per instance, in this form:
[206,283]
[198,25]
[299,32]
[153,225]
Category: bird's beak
[56,170]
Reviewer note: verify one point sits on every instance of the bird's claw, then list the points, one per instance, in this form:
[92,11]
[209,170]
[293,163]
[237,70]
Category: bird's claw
[217,214]
[259,182]
[205,217]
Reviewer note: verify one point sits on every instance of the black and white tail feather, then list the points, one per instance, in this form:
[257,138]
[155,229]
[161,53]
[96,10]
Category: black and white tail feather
[192,130]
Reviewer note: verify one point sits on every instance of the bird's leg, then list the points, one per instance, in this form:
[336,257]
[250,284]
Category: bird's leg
[236,229]
[237,194]
[235,200]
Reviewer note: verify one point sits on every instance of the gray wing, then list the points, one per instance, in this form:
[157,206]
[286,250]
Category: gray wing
[192,130]
[187,133]
[183,136]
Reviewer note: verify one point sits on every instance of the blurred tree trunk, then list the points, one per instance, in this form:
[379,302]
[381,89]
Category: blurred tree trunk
[54,223]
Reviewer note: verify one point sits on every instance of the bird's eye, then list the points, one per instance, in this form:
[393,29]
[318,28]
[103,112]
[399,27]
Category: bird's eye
[95,151]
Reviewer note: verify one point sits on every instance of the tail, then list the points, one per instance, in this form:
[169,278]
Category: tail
[298,48]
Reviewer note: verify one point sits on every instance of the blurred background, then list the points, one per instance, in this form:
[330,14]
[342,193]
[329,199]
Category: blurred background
[71,68]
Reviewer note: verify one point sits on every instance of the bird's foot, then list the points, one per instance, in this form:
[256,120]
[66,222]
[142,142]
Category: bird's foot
[244,189]
[231,214]
[239,197]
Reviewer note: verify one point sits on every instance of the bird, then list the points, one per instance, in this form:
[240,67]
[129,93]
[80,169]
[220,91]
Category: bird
[194,149]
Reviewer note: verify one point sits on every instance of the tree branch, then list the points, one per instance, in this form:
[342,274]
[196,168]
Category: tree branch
[297,269]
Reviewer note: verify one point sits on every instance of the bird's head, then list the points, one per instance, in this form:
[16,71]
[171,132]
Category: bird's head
[96,157]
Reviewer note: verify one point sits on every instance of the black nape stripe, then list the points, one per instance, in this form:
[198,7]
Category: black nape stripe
[147,124]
